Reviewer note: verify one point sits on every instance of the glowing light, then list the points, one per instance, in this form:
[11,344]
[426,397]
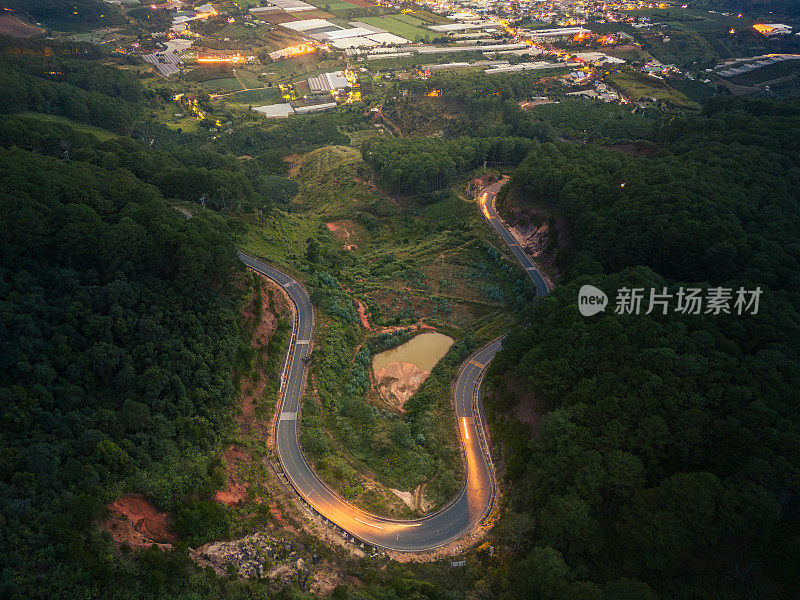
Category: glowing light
[236,58]
[763,29]
[485,208]
[369,524]
[290,51]
[466,431]
[206,14]
[435,94]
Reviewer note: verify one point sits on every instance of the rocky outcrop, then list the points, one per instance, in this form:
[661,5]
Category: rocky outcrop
[259,556]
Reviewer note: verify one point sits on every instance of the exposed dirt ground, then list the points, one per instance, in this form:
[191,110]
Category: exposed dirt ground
[263,322]
[235,491]
[362,314]
[415,501]
[136,522]
[398,381]
[344,232]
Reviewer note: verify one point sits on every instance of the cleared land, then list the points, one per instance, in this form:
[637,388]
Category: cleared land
[12,26]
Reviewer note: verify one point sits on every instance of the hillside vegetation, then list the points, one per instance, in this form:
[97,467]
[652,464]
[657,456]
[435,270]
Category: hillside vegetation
[667,454]
[116,362]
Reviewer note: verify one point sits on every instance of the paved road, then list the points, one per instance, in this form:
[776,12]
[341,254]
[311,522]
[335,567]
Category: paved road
[477,495]
[487,207]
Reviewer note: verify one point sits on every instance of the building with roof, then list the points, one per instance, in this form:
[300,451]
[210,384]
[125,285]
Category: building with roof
[327,82]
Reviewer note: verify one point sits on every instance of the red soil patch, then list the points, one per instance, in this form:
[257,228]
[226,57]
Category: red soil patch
[279,518]
[484,181]
[342,231]
[135,521]
[360,3]
[263,330]
[235,491]
[362,314]
[263,322]
[419,325]
[398,381]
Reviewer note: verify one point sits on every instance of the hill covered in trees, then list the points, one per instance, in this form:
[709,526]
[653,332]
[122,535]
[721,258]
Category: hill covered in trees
[119,334]
[667,458]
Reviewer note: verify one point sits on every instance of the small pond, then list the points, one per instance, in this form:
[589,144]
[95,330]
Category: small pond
[423,350]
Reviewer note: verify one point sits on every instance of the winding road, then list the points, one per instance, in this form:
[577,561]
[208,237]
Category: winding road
[477,495]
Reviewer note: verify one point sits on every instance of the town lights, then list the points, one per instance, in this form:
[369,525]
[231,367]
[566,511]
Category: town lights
[236,58]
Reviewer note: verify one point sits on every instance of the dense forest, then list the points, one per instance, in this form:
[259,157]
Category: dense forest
[667,458]
[119,334]
[426,165]
[203,174]
[66,13]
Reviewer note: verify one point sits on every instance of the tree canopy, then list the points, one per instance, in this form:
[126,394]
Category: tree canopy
[667,452]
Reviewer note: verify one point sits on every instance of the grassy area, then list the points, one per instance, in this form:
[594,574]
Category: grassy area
[224,84]
[98,132]
[280,236]
[259,95]
[402,25]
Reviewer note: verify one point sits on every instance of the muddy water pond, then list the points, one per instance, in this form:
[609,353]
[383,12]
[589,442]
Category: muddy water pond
[423,350]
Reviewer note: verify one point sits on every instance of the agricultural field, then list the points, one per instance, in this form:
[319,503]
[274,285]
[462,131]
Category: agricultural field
[699,39]
[787,68]
[238,36]
[406,26]
[638,87]
[246,4]
[346,9]
[698,20]
[270,94]
[428,17]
